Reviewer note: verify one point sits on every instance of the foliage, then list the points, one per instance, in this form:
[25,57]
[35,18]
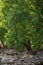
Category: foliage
[22,20]
[2,29]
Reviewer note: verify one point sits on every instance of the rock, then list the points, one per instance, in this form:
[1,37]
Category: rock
[22,59]
[6,59]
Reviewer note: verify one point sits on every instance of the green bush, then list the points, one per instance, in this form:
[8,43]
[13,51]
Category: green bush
[23,21]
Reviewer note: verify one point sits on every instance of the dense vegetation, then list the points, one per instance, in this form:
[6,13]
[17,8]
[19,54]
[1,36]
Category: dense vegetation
[20,21]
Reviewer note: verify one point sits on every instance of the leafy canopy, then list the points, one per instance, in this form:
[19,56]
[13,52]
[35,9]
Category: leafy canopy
[23,21]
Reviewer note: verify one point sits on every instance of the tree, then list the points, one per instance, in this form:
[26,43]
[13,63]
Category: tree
[22,21]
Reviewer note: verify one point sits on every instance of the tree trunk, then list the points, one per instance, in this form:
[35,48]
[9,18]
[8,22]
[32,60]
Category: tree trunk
[27,45]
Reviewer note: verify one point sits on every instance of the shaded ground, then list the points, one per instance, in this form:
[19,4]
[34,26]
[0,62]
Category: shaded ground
[11,57]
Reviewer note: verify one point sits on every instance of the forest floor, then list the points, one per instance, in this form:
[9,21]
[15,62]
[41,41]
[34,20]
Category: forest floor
[12,57]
